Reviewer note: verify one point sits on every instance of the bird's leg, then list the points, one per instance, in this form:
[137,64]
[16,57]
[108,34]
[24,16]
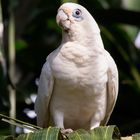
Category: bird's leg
[94,123]
[58,117]
[59,122]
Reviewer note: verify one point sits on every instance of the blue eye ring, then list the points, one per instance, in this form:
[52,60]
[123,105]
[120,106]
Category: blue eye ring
[77,13]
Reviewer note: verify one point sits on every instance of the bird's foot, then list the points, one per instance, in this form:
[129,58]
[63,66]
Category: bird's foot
[66,131]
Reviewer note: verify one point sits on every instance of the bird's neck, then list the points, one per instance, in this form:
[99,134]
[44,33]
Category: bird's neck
[91,40]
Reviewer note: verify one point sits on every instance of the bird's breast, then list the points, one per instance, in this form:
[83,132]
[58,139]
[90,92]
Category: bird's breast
[79,67]
[80,86]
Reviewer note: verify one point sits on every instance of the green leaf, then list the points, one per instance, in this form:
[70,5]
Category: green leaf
[136,136]
[63,1]
[51,133]
[6,138]
[105,133]
[21,44]
[80,134]
[99,133]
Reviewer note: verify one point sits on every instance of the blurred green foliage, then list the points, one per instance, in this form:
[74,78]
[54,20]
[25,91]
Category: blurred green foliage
[37,34]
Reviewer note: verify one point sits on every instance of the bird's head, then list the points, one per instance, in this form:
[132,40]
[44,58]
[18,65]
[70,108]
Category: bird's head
[74,17]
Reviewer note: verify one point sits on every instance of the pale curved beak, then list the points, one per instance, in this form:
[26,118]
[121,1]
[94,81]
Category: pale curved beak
[61,16]
[63,19]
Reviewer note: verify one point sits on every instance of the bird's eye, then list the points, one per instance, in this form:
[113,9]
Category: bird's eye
[77,13]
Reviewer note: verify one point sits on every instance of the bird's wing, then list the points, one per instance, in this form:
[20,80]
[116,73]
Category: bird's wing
[112,87]
[45,89]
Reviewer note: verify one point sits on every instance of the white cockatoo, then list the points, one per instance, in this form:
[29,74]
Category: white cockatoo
[78,86]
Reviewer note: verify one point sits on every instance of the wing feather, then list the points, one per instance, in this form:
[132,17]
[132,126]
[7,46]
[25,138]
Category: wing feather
[112,87]
[45,89]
